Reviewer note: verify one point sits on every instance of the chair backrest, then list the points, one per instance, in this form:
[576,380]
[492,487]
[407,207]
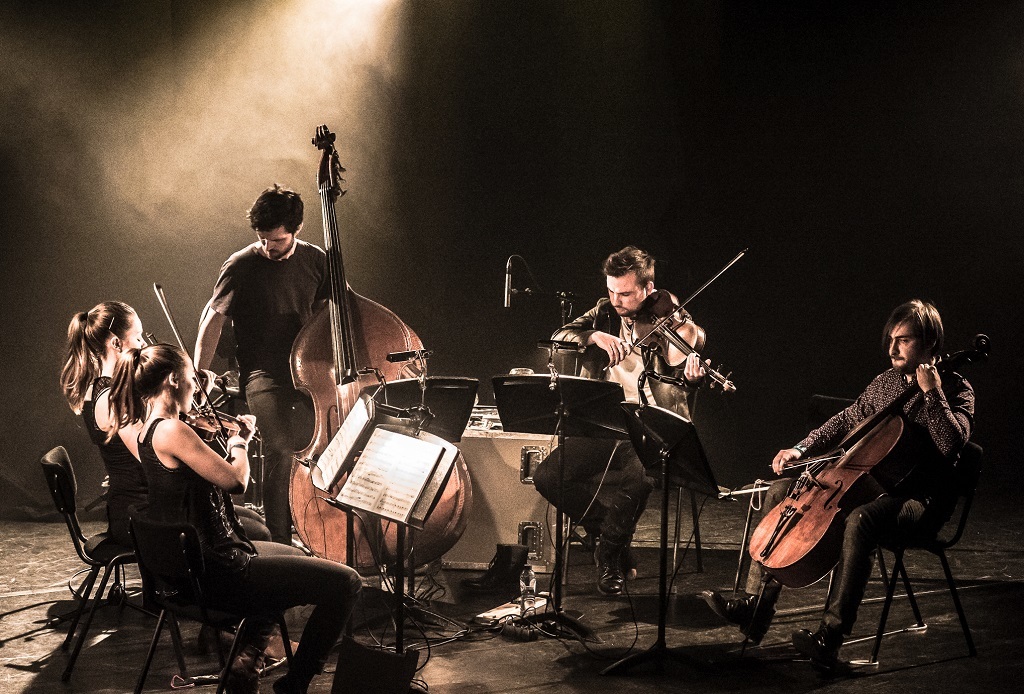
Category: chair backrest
[60,478]
[170,559]
[966,473]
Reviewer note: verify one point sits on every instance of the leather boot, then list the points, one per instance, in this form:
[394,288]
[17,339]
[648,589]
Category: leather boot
[272,645]
[502,573]
[764,610]
[822,646]
[610,576]
[737,611]
[244,674]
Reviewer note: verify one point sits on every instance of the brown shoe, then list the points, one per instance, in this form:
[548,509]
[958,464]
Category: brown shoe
[274,651]
[244,673]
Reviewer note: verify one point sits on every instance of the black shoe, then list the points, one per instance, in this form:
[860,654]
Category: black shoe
[738,611]
[821,646]
[764,610]
[752,614]
[610,576]
[502,573]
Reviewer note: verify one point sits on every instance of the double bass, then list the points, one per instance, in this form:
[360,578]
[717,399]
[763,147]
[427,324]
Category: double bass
[800,540]
[338,352]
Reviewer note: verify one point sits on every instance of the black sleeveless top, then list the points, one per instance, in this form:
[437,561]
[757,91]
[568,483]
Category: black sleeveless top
[126,478]
[181,495]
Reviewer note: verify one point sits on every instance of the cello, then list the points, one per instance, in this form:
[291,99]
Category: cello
[800,540]
[338,352]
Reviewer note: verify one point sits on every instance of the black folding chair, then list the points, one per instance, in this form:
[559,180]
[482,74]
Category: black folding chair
[967,472]
[172,568]
[98,552]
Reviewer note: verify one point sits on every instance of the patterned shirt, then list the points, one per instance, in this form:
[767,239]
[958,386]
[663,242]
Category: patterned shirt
[943,417]
[947,412]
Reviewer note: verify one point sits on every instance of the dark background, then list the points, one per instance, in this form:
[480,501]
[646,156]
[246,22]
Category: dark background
[865,155]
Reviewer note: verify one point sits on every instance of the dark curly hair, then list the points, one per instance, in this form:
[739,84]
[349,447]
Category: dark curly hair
[276,206]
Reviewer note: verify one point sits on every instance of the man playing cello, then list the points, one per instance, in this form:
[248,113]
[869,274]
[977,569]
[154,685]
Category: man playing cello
[941,410]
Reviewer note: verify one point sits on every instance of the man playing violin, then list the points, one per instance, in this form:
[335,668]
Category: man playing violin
[941,412]
[608,494]
[269,289]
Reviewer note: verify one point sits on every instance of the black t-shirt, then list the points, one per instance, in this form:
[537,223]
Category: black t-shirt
[269,301]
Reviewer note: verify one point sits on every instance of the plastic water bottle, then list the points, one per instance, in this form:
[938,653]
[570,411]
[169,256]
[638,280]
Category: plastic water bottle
[527,591]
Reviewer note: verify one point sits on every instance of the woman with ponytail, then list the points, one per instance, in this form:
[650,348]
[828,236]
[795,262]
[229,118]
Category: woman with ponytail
[96,340]
[190,483]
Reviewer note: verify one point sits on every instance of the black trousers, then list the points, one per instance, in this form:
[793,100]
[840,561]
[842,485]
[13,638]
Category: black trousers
[600,484]
[887,521]
[282,577]
[280,412]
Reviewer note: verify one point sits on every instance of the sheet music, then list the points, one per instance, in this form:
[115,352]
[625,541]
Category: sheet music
[390,474]
[328,467]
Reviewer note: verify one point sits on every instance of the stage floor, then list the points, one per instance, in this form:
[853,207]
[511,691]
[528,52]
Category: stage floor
[37,561]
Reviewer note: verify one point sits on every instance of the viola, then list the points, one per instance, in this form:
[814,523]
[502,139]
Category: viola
[799,541]
[662,321]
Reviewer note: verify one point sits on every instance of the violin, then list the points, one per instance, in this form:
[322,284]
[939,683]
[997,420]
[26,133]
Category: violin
[212,424]
[659,325]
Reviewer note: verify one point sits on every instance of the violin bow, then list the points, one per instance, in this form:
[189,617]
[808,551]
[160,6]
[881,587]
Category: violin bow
[205,402]
[668,318]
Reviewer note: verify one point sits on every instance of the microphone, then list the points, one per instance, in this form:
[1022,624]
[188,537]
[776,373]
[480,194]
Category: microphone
[508,283]
[411,354]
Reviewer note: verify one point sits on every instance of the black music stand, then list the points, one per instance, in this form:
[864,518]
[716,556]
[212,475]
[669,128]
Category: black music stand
[401,527]
[669,442]
[564,406]
[449,399]
[449,403]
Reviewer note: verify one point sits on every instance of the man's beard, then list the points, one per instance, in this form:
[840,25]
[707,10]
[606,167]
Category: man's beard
[903,366]
[278,255]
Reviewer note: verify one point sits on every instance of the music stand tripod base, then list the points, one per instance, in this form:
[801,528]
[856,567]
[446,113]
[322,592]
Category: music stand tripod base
[663,439]
[564,406]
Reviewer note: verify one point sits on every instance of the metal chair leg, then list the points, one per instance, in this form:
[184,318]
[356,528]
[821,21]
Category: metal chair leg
[179,653]
[956,603]
[889,592]
[696,529]
[152,651]
[97,599]
[86,591]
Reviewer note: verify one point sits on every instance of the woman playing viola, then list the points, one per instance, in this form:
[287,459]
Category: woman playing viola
[189,482]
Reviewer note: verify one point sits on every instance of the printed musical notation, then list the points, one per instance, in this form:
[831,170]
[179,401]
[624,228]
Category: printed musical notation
[328,467]
[390,474]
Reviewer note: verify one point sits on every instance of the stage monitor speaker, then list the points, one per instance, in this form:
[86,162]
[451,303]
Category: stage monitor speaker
[506,507]
[372,670]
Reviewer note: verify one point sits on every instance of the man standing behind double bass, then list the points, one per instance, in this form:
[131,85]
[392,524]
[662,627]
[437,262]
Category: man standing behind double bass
[940,410]
[269,290]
